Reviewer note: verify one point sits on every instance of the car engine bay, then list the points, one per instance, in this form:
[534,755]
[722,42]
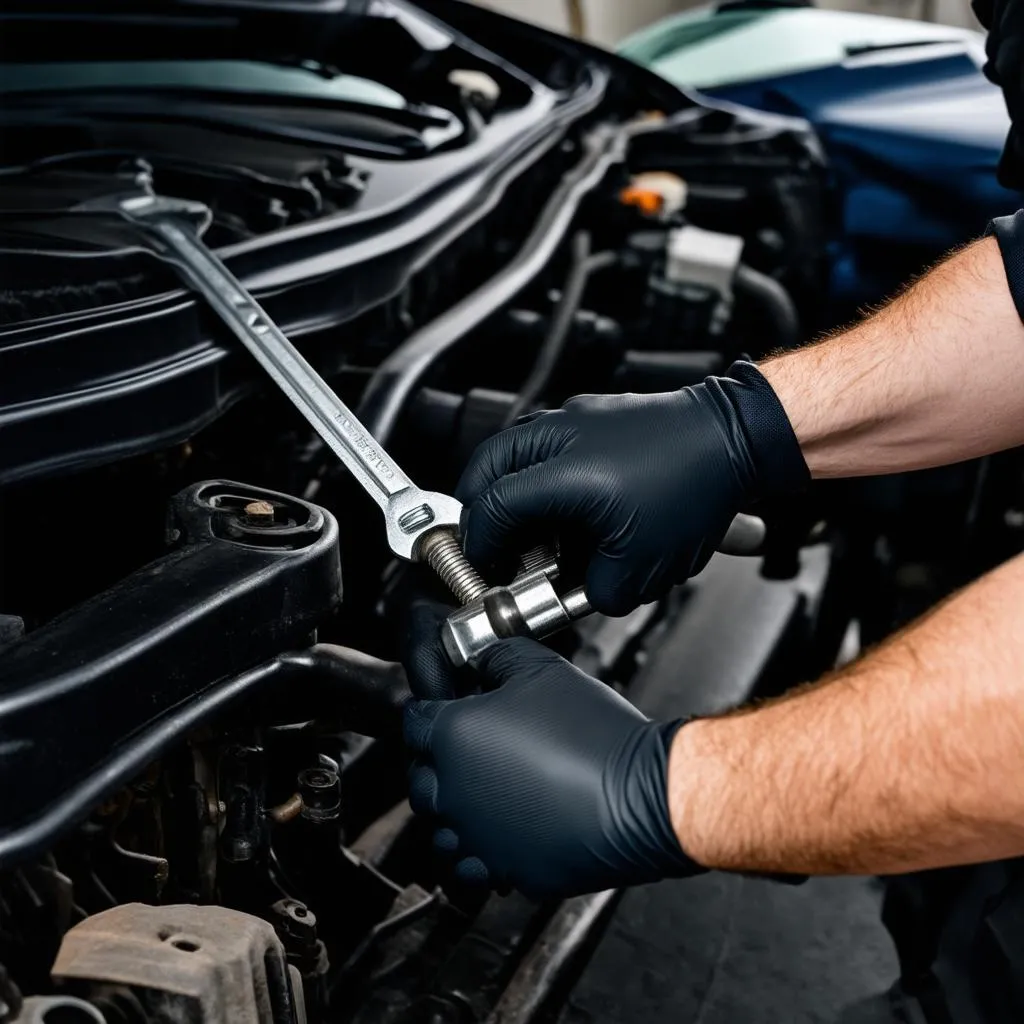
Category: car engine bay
[203,810]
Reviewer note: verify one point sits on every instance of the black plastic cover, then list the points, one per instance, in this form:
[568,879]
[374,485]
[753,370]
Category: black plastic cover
[235,591]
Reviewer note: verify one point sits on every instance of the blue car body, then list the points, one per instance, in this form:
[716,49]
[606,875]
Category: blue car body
[912,132]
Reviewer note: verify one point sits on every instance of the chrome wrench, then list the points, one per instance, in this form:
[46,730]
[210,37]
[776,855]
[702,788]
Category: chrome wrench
[421,525]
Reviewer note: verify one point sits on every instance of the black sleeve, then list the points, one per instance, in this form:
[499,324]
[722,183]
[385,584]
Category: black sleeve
[1004,50]
[1009,233]
[984,11]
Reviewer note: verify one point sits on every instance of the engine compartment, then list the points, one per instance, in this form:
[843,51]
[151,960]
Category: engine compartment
[200,690]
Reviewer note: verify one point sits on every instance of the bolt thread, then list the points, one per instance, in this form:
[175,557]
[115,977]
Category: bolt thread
[536,558]
[445,557]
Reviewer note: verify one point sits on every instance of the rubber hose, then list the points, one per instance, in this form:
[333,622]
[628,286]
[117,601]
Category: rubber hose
[582,265]
[774,302]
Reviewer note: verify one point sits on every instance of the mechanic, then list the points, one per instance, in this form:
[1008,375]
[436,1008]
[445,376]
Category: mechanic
[909,759]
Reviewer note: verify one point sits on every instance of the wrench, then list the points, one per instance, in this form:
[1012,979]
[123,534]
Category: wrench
[421,525]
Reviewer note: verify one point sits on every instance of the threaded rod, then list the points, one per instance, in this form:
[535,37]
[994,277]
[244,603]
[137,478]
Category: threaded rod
[442,553]
[536,558]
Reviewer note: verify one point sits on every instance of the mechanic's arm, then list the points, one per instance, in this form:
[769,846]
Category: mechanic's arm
[911,758]
[645,486]
[935,377]
[551,782]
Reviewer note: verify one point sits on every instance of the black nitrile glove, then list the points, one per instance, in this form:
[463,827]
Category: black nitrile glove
[549,782]
[652,481]
[1004,48]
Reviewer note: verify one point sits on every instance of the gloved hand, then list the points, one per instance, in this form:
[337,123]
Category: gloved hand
[1004,48]
[652,481]
[550,783]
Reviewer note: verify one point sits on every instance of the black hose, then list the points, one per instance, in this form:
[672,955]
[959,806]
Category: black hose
[773,301]
[367,694]
[402,372]
[582,264]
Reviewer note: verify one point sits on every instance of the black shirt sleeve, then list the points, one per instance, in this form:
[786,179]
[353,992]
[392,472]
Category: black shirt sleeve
[1009,233]
[1004,50]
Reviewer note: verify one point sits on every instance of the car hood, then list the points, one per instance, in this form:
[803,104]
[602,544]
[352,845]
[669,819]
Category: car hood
[193,28]
[382,40]
[710,48]
[929,93]
[919,130]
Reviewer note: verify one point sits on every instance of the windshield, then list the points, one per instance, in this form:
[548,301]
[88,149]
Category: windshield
[705,48]
[241,76]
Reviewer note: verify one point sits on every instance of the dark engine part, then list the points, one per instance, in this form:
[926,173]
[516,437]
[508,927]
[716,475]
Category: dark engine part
[252,573]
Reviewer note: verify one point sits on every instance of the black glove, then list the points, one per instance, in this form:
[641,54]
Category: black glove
[652,481]
[552,783]
[1004,48]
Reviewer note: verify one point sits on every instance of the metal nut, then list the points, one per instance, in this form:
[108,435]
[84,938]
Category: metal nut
[260,512]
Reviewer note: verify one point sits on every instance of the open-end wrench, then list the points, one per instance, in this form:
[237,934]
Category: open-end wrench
[421,525]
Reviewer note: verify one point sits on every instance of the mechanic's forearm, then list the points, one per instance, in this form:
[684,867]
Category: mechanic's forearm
[910,759]
[935,377]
